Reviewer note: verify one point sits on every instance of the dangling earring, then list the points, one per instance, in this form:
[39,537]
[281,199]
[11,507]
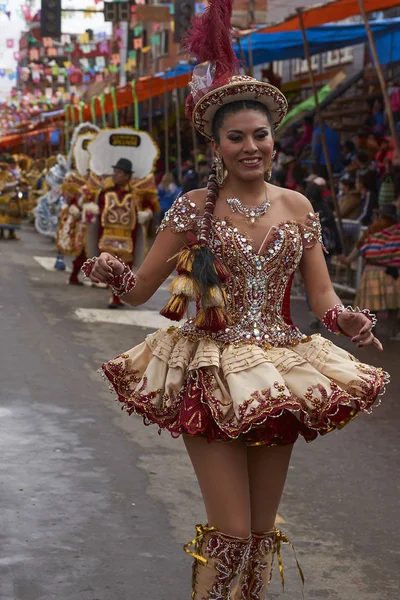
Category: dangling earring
[269,171]
[219,170]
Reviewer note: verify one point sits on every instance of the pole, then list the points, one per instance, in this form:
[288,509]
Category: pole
[250,51]
[178,134]
[195,149]
[381,78]
[166,128]
[151,107]
[321,126]
[123,53]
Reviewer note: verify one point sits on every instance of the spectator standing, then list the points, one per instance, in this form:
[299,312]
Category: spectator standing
[333,146]
[167,192]
[369,198]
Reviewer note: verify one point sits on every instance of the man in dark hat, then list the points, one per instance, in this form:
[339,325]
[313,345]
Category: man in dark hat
[125,206]
[123,171]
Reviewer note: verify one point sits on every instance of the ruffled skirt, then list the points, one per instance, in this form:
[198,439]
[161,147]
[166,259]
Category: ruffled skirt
[199,387]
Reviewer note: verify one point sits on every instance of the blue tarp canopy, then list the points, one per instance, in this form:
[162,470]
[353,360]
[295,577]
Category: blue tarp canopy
[268,47]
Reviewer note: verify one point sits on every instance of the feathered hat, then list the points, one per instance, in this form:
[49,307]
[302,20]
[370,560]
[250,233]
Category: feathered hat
[216,81]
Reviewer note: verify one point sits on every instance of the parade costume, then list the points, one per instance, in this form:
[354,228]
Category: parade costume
[238,368]
[11,208]
[125,212]
[79,191]
[50,203]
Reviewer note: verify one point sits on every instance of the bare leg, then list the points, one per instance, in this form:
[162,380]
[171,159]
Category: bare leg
[267,474]
[267,468]
[221,554]
[221,470]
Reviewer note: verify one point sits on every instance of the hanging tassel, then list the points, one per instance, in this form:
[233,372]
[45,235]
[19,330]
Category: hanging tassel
[183,285]
[185,260]
[212,319]
[215,297]
[175,308]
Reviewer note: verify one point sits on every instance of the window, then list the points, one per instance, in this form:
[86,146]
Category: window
[334,58]
[301,67]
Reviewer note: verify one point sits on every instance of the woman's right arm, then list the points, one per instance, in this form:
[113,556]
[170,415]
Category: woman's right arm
[157,266]
[161,259]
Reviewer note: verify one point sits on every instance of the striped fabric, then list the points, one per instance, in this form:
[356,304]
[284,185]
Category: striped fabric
[383,248]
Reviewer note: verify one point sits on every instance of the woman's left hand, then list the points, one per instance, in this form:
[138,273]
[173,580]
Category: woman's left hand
[357,326]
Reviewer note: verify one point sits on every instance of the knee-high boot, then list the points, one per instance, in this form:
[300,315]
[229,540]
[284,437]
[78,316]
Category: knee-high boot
[262,551]
[220,564]
[261,559]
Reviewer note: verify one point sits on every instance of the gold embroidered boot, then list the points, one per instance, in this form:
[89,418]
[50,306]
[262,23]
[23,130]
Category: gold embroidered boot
[262,550]
[261,558]
[220,564]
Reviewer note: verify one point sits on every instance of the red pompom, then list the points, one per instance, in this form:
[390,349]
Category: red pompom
[210,39]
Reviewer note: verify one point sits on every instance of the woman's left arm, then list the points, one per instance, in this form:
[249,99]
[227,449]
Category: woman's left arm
[326,304]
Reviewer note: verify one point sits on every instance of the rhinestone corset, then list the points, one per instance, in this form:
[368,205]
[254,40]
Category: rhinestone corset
[258,291]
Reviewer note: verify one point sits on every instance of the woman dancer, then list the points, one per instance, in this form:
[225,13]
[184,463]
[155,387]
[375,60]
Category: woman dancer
[238,380]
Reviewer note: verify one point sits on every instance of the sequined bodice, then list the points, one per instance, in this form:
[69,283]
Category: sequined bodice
[258,290]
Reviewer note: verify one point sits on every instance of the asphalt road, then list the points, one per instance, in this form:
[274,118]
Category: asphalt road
[96,506]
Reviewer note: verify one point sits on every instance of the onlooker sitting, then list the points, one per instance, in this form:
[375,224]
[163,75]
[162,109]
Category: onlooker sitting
[361,166]
[394,93]
[384,156]
[333,145]
[349,153]
[306,138]
[167,192]
[349,199]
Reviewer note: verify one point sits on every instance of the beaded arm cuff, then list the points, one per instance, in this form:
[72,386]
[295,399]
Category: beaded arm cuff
[120,284]
[88,265]
[123,283]
[331,322]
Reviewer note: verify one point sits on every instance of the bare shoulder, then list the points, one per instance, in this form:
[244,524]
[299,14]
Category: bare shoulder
[293,203]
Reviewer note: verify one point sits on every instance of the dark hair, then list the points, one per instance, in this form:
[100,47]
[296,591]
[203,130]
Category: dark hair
[309,120]
[314,194]
[362,134]
[362,156]
[367,180]
[234,107]
[349,182]
[349,145]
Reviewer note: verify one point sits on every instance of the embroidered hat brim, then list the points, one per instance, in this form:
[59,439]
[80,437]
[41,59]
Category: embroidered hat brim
[240,87]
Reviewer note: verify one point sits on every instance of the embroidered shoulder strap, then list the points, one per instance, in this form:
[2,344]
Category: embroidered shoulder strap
[311,231]
[182,216]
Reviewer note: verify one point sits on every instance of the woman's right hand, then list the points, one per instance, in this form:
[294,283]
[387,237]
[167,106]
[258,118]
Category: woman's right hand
[106,268]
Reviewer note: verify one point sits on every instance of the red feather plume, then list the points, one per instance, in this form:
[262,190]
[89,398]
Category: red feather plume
[210,38]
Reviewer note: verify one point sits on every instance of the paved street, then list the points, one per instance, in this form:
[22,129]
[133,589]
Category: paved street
[96,506]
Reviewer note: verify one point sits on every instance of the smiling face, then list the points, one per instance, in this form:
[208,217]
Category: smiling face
[245,143]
